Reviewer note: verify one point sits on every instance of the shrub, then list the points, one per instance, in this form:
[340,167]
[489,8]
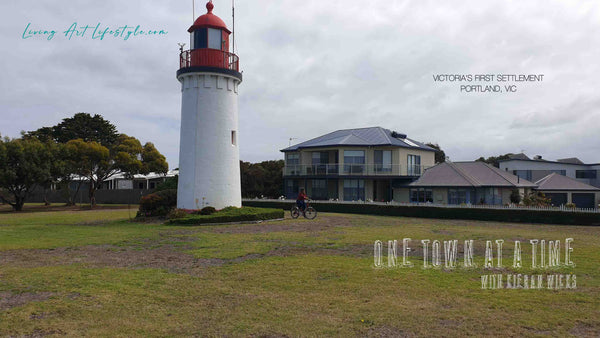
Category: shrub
[170,183]
[447,212]
[177,213]
[515,196]
[207,211]
[245,214]
[570,205]
[159,203]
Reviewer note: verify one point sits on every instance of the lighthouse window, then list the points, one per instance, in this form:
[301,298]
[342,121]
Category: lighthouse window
[200,38]
[214,38]
[233,138]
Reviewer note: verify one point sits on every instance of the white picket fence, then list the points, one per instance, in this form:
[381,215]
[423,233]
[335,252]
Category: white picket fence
[433,205]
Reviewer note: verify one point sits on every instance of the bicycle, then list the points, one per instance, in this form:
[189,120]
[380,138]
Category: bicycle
[309,212]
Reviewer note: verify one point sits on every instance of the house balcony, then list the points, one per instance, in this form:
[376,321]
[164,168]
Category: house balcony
[352,170]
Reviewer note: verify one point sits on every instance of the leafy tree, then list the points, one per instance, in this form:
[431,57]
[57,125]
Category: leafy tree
[96,151]
[262,179]
[440,155]
[169,184]
[536,199]
[495,160]
[81,126]
[24,164]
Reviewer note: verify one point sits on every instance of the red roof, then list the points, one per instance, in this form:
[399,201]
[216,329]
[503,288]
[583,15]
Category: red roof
[209,20]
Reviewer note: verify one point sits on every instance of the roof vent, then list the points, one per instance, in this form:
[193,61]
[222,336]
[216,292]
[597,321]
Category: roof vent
[398,135]
[537,157]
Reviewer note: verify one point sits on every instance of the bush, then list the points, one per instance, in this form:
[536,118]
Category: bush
[207,211]
[230,215]
[515,196]
[159,203]
[177,213]
[570,205]
[170,183]
[498,215]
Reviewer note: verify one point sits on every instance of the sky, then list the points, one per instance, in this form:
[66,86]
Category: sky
[312,67]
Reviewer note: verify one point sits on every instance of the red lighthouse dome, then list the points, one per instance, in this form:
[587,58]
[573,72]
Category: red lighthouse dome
[209,46]
[209,20]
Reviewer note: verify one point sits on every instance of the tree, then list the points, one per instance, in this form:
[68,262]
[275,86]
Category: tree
[536,199]
[96,151]
[495,160]
[262,179]
[24,164]
[81,126]
[515,196]
[440,155]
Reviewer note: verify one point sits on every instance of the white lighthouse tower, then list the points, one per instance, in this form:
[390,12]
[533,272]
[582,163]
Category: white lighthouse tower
[209,169]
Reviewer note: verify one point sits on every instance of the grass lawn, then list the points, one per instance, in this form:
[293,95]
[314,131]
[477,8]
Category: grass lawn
[93,272]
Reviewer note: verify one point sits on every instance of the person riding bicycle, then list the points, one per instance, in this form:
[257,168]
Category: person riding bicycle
[300,200]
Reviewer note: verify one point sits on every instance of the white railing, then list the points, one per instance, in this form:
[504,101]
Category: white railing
[353,169]
[433,205]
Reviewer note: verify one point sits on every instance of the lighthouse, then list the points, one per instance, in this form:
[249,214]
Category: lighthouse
[209,168]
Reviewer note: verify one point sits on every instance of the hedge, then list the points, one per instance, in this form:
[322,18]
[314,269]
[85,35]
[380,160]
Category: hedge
[498,215]
[231,215]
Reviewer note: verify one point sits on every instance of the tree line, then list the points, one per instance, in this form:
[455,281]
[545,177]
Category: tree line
[83,146]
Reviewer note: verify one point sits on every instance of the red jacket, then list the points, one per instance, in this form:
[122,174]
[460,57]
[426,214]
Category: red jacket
[301,197]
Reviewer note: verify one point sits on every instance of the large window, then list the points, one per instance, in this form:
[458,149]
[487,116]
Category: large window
[354,161]
[354,190]
[413,165]
[458,196]
[206,38]
[215,37]
[319,189]
[591,174]
[319,161]
[523,174]
[292,162]
[383,160]
[421,195]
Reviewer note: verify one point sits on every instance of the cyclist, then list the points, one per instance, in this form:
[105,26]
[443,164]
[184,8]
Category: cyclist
[300,200]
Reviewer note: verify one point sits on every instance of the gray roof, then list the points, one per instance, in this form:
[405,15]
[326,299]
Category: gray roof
[469,174]
[556,181]
[571,160]
[520,156]
[361,137]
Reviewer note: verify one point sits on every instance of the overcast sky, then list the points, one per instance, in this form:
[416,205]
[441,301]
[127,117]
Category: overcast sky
[311,67]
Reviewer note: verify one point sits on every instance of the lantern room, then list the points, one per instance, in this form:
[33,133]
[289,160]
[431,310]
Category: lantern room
[209,44]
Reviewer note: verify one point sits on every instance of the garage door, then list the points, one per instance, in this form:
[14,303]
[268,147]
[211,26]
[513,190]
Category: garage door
[584,200]
[557,199]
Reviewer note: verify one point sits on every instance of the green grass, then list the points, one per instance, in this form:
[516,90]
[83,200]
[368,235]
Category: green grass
[292,277]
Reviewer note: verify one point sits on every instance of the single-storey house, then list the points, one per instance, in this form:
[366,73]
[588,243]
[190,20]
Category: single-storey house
[466,183]
[562,190]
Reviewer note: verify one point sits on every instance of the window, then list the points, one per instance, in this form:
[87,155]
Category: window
[458,196]
[413,165]
[292,163]
[592,174]
[523,174]
[199,38]
[421,195]
[319,189]
[214,38]
[293,158]
[383,160]
[354,161]
[233,138]
[354,190]
[140,185]
[319,161]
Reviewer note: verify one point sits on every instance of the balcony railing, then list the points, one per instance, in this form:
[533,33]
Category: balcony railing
[353,169]
[209,58]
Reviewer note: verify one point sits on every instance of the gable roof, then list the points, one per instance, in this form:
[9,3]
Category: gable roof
[469,174]
[365,137]
[556,181]
[571,160]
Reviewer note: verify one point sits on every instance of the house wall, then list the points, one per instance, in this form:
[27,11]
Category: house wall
[539,169]
[440,195]
[401,195]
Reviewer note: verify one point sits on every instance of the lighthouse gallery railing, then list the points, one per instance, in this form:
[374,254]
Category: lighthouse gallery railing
[210,58]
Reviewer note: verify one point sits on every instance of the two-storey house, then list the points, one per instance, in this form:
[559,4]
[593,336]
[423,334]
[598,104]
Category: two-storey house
[355,164]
